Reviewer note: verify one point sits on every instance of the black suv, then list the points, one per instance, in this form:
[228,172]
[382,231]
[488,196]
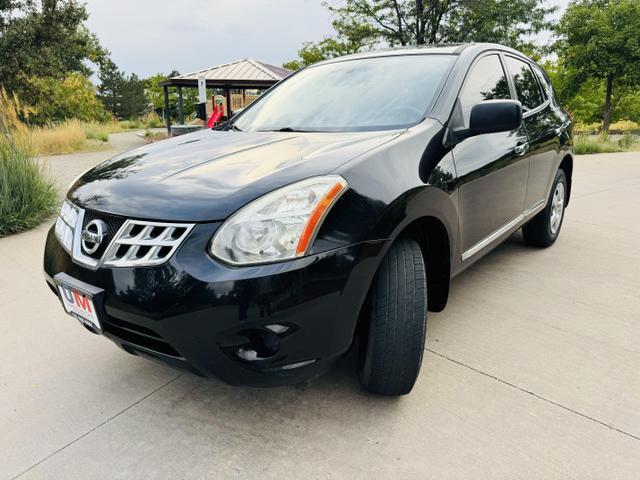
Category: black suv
[331,212]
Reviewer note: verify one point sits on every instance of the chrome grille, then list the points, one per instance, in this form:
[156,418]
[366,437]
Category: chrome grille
[128,243]
[144,243]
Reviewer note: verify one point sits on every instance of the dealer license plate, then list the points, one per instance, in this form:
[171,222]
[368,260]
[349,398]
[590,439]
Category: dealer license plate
[81,306]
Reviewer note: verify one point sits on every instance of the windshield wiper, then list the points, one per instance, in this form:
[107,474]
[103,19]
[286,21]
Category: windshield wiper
[226,126]
[284,129]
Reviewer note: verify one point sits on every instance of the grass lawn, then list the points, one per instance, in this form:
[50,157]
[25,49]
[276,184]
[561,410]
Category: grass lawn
[73,136]
[69,136]
[585,144]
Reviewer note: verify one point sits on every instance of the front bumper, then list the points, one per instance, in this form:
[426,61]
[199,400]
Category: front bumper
[196,313]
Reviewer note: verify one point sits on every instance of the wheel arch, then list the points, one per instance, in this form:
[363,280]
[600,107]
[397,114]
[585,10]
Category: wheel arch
[429,216]
[567,166]
[431,234]
[434,239]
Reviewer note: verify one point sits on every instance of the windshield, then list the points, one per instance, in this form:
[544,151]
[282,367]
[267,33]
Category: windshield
[367,94]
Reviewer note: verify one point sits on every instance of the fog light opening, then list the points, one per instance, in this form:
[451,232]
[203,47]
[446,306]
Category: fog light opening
[262,345]
[248,354]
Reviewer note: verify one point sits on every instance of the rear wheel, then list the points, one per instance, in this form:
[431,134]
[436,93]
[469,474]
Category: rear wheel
[544,228]
[392,342]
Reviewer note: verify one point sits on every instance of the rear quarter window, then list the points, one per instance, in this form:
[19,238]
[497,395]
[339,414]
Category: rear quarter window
[546,84]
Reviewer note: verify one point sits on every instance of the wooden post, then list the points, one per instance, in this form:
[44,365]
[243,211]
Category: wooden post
[227,92]
[180,106]
[167,114]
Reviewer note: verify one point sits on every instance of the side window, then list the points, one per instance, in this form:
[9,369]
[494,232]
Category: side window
[546,85]
[526,84]
[485,81]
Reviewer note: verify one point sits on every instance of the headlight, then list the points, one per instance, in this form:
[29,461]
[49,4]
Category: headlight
[279,225]
[69,214]
[65,225]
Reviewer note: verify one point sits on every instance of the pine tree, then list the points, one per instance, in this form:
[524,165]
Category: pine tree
[111,86]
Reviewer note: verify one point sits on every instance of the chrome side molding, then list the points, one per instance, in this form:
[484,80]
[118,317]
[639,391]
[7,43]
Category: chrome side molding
[485,242]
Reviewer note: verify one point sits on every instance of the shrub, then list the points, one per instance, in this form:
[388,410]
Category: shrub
[152,120]
[624,126]
[99,131]
[129,124]
[27,195]
[155,136]
[627,141]
[584,144]
[587,128]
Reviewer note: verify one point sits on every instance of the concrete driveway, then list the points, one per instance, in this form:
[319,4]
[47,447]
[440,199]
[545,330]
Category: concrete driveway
[532,371]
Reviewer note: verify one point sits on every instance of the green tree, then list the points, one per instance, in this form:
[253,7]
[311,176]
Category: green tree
[123,96]
[599,39]
[417,22]
[348,40]
[155,96]
[155,93]
[134,101]
[110,87]
[44,39]
[628,107]
[361,24]
[73,97]
[585,99]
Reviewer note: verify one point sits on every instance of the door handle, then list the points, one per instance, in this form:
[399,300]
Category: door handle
[522,148]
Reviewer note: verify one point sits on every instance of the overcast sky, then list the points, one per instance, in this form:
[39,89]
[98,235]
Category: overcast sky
[149,36]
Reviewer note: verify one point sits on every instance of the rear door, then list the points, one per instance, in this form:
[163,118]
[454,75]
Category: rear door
[492,168]
[543,128]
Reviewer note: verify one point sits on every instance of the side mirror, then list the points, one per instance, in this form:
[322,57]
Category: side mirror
[494,116]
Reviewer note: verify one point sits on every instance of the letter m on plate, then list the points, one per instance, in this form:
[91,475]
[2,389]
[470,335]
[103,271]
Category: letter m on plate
[82,301]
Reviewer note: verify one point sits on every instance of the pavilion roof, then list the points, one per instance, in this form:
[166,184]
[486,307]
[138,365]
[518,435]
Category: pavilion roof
[245,73]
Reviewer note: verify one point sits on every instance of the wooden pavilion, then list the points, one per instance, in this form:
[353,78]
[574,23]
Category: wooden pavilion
[245,74]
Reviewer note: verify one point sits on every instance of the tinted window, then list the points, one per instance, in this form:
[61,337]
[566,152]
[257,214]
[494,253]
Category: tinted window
[527,86]
[486,81]
[546,86]
[366,94]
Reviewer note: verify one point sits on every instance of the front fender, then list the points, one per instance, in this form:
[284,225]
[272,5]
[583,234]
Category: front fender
[391,186]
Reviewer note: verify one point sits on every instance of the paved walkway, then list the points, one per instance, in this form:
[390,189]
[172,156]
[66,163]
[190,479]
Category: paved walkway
[532,371]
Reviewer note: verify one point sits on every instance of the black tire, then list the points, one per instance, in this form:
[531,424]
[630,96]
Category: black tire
[392,342]
[540,231]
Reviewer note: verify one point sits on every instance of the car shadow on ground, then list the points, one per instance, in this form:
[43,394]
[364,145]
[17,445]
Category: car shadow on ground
[211,399]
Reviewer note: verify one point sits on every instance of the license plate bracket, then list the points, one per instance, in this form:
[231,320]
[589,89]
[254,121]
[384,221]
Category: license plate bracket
[81,300]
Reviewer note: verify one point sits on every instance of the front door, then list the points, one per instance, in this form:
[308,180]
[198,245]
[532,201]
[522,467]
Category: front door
[492,168]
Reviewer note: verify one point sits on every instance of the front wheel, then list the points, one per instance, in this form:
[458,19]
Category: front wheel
[393,341]
[544,228]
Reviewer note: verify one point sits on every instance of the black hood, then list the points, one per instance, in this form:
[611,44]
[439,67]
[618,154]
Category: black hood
[208,175]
